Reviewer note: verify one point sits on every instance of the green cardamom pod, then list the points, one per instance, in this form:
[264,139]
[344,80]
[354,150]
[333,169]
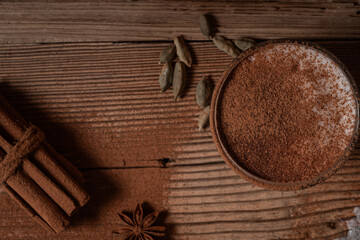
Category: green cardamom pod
[183,51]
[179,80]
[166,76]
[168,54]
[226,45]
[205,26]
[203,119]
[203,92]
[244,43]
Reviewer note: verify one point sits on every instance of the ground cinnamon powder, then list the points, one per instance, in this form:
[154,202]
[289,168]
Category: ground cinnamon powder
[286,115]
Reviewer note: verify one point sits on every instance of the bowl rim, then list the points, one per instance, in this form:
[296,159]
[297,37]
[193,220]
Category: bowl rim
[290,186]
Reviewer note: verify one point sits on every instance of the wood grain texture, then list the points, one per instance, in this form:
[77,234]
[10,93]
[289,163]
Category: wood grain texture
[88,21]
[106,92]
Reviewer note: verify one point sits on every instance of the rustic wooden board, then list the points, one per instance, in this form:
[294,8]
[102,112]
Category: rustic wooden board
[109,91]
[86,21]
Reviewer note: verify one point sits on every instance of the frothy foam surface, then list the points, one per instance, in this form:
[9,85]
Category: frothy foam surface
[287,112]
[338,84]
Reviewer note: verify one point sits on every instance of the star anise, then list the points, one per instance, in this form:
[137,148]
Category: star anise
[139,228]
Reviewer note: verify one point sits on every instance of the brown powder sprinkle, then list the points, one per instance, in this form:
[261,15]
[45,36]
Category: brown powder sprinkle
[286,115]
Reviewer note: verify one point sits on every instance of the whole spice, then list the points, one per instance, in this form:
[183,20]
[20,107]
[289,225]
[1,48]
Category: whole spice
[166,76]
[179,80]
[203,119]
[285,115]
[226,46]
[168,54]
[47,187]
[244,43]
[139,227]
[203,92]
[205,26]
[183,51]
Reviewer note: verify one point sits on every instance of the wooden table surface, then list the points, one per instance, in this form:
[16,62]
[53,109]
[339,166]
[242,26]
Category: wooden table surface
[90,69]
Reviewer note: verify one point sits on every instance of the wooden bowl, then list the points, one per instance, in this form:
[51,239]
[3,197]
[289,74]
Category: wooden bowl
[236,165]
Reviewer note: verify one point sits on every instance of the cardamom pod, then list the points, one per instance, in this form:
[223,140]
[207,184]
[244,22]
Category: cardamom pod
[168,54]
[166,76]
[183,51]
[203,92]
[203,119]
[244,43]
[205,26]
[179,80]
[226,45]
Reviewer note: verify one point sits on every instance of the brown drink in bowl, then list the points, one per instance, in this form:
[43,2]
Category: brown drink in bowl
[285,115]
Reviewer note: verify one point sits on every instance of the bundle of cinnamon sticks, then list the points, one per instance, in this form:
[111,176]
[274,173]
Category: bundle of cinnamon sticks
[38,178]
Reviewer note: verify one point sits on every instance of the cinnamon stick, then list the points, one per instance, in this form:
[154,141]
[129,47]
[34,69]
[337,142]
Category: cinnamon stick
[47,185]
[46,160]
[15,126]
[44,182]
[39,201]
[71,169]
[26,207]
